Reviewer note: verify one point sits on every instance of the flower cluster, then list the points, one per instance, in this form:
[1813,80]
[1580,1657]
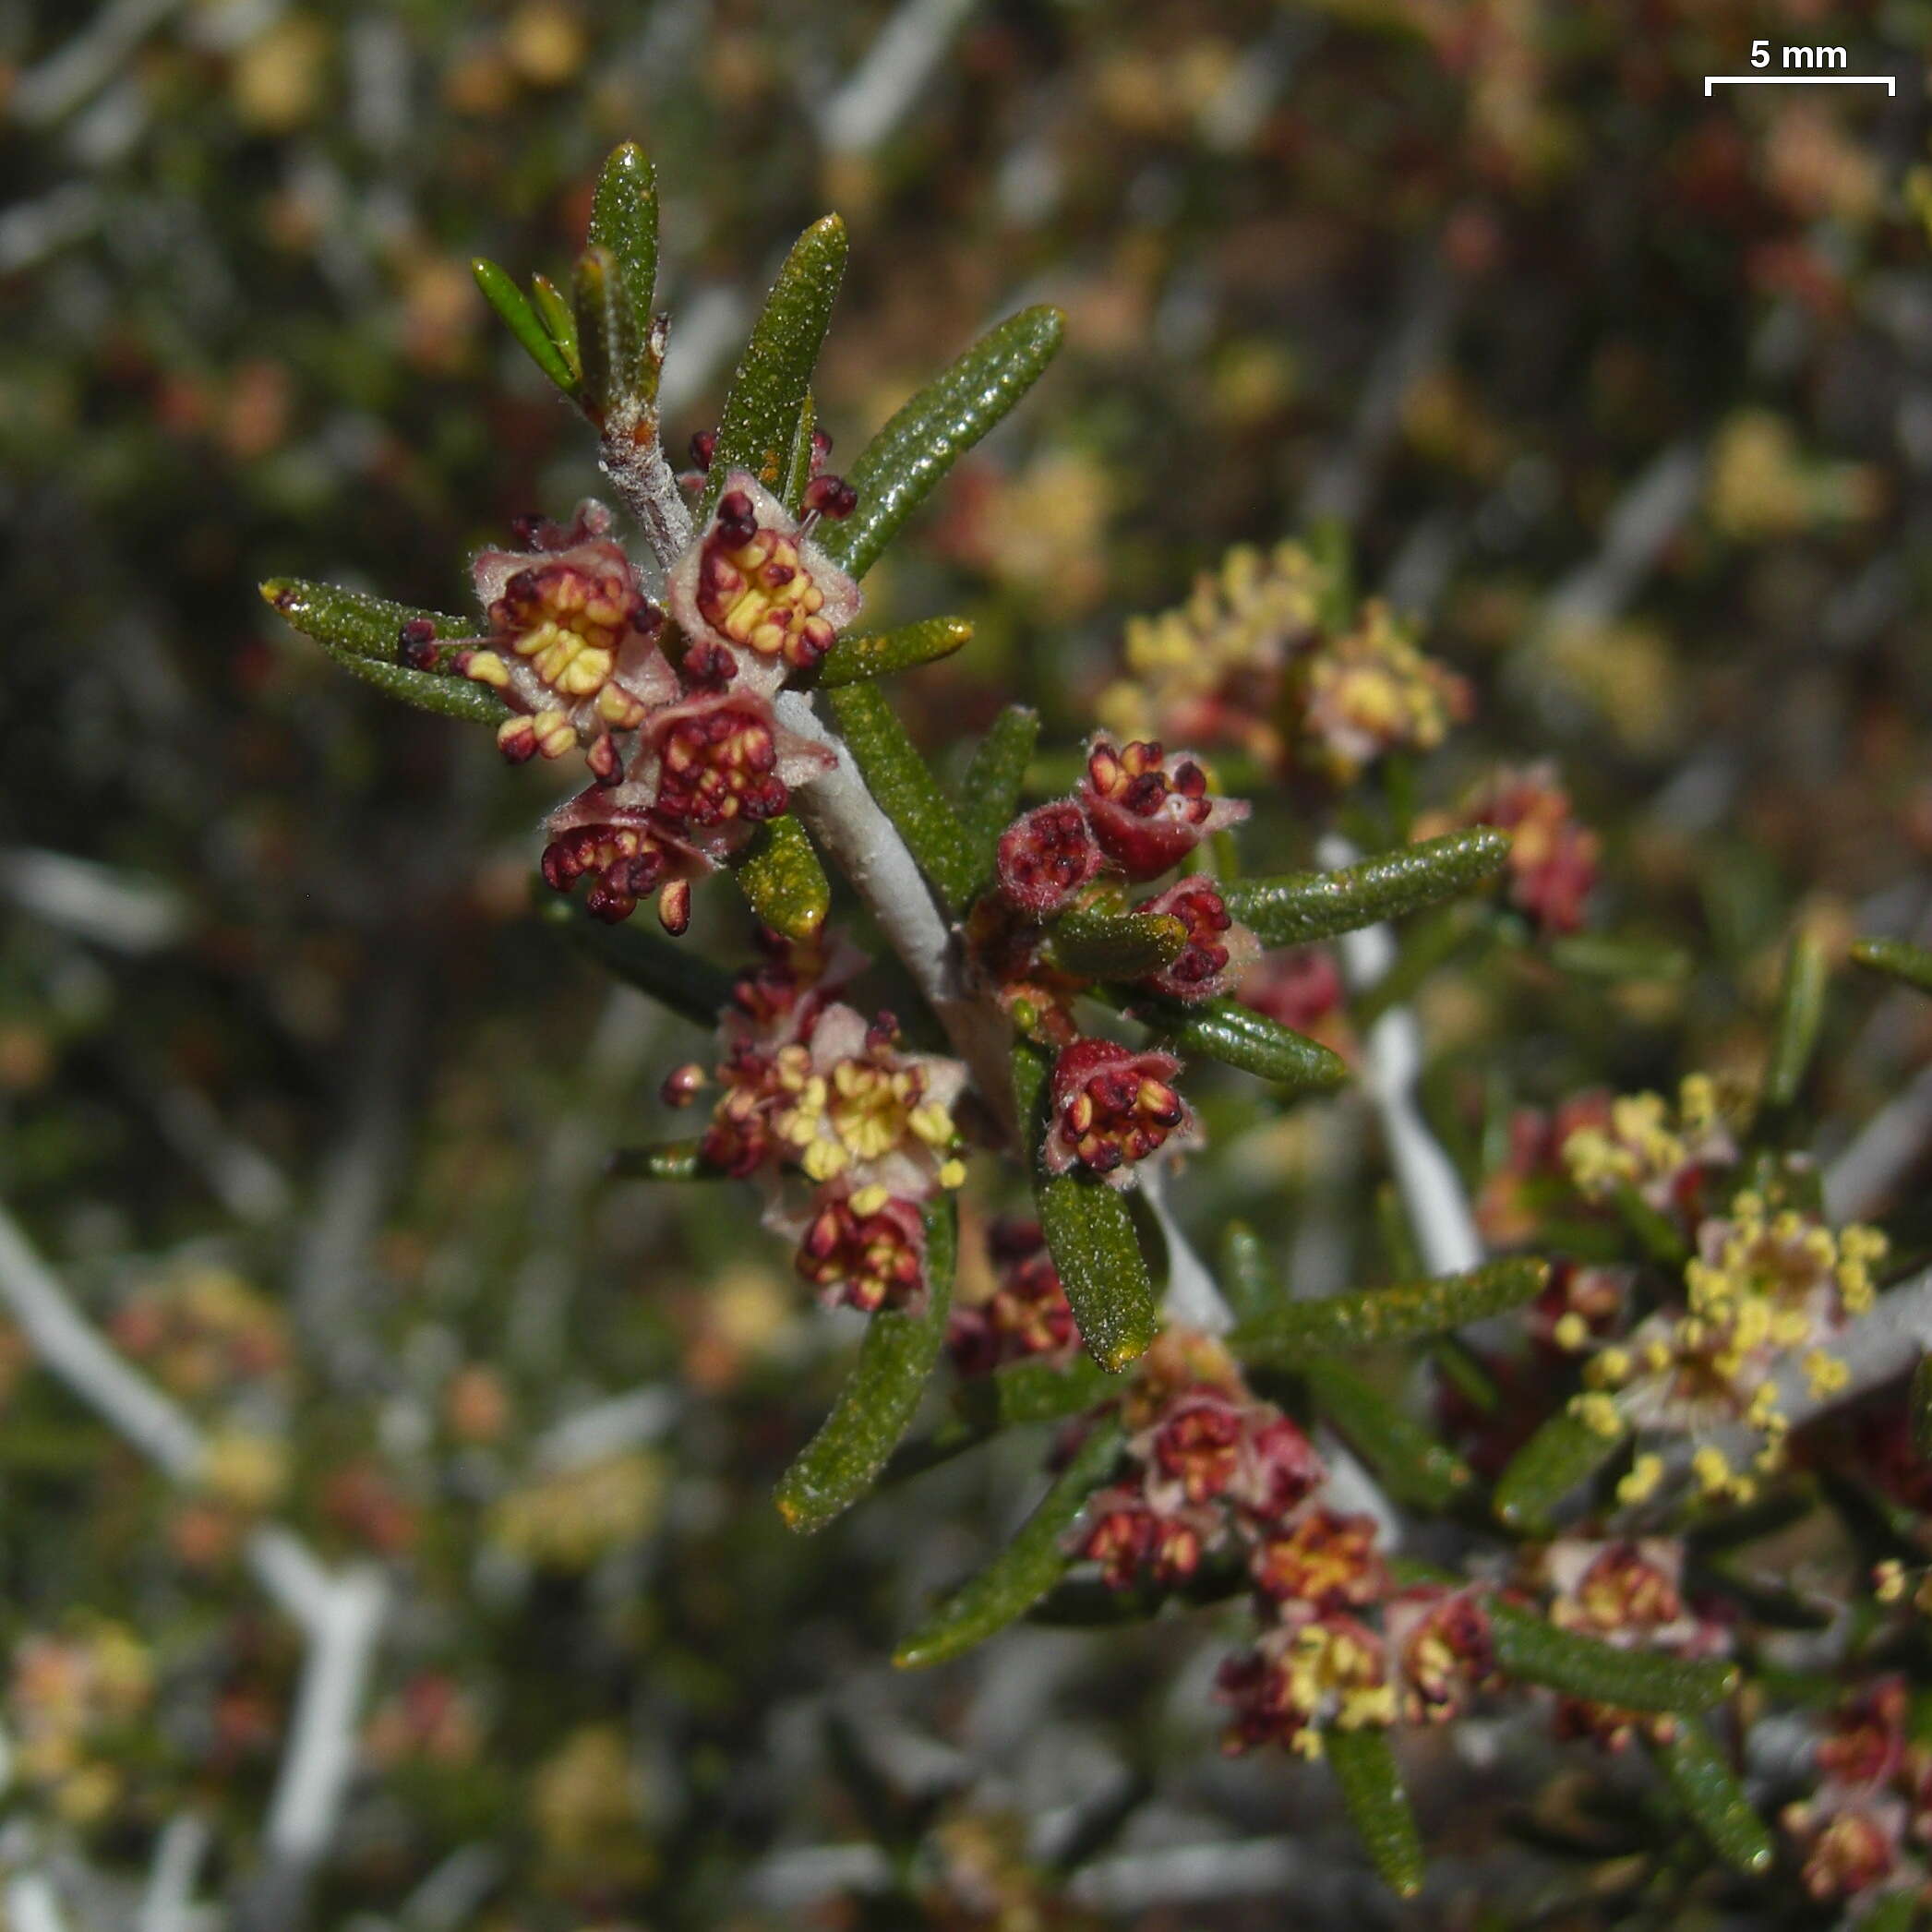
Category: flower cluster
[1025,1314]
[1629,1594]
[202,1331]
[671,706]
[1710,1365]
[71,1701]
[1212,1476]
[1212,669]
[1861,1834]
[1260,658]
[1553,859]
[1138,811]
[812,1091]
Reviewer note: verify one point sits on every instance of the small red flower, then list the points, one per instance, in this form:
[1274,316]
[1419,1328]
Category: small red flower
[1149,811]
[1046,857]
[754,584]
[1322,1562]
[865,1255]
[1112,1108]
[1218,951]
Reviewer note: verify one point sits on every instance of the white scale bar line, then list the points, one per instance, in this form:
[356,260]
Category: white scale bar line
[1890,82]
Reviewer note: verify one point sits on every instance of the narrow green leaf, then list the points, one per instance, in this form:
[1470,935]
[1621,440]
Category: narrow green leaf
[624,225]
[853,660]
[608,345]
[669,1160]
[1116,945]
[675,975]
[762,406]
[1364,1766]
[1534,1650]
[782,879]
[1922,1406]
[989,794]
[427,691]
[1704,1785]
[798,464]
[1026,1392]
[1415,1465]
[1247,1277]
[899,778]
[560,321]
[897,470]
[1561,1457]
[1897,959]
[1239,1037]
[1794,1030]
[510,301]
[353,621]
[876,1406]
[1090,1237]
[1299,907]
[1295,1332]
[1598,956]
[1026,1569]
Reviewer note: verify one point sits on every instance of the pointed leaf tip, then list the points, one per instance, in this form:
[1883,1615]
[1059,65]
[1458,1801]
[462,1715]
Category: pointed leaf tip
[524,322]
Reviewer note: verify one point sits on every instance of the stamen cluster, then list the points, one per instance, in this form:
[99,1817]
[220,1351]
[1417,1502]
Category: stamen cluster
[672,709]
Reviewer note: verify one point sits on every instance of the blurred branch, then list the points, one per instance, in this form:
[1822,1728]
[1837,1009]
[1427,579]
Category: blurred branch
[86,64]
[78,1353]
[880,91]
[1432,1194]
[115,909]
[166,1904]
[340,1614]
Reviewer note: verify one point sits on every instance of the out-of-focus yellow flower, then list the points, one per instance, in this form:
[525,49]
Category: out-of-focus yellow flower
[1626,673]
[587,1802]
[279,78]
[544,43]
[568,1520]
[1762,485]
[246,1471]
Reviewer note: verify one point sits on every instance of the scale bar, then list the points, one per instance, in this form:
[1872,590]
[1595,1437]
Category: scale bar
[1890,82]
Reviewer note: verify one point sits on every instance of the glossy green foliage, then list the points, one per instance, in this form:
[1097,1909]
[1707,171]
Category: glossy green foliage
[1563,1455]
[783,878]
[1300,906]
[903,783]
[678,976]
[1090,1235]
[1239,1037]
[853,660]
[1026,1569]
[1116,945]
[352,622]
[764,407]
[1534,1650]
[1703,1783]
[989,793]
[525,320]
[1364,1765]
[624,227]
[876,1406]
[1897,959]
[1296,1332]
[899,468]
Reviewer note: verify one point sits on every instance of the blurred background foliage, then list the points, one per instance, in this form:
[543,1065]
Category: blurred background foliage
[1626,391]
